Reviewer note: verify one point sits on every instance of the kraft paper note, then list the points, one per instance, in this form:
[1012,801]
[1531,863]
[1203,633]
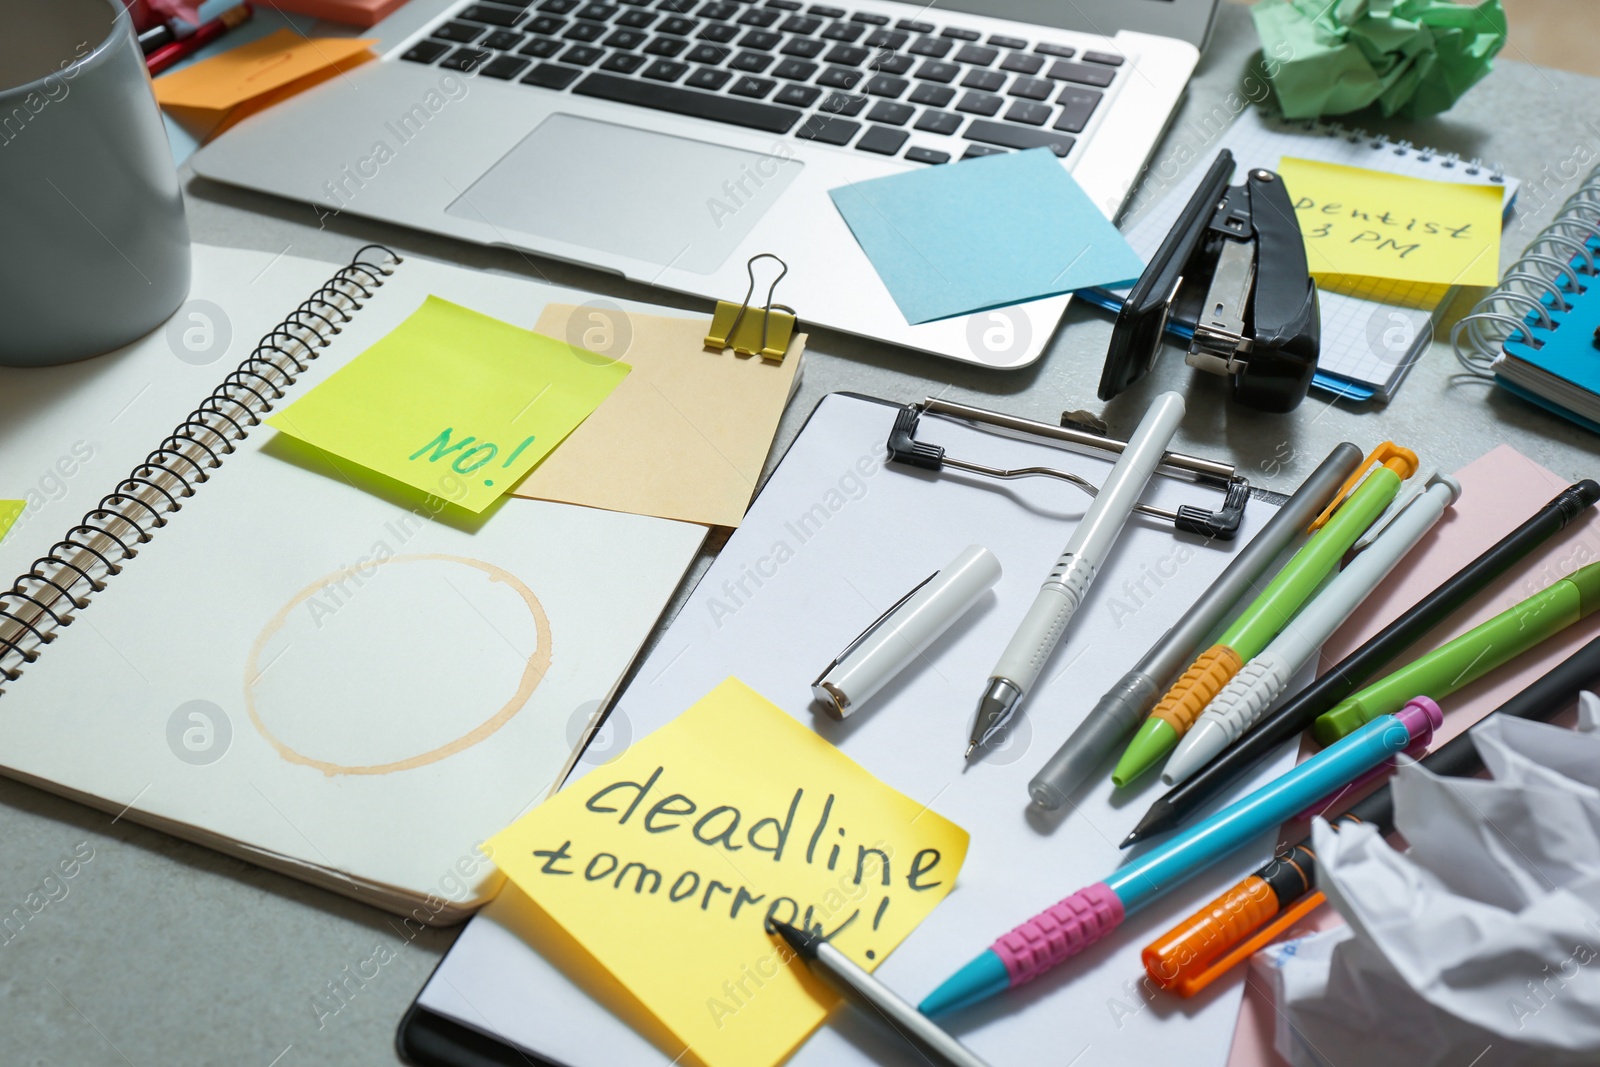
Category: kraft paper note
[207,97]
[451,397]
[686,433]
[665,863]
[10,512]
[1370,224]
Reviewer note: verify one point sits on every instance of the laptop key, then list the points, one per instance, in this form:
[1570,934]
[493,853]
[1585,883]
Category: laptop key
[548,25]
[595,12]
[839,78]
[755,88]
[678,26]
[505,67]
[708,78]
[794,70]
[765,40]
[869,18]
[710,54]
[797,95]
[926,155]
[582,55]
[540,48]
[822,11]
[494,16]
[634,20]
[801,24]
[913,26]
[459,32]
[465,60]
[719,10]
[784,5]
[1000,41]
[935,71]
[750,62]
[932,95]
[1022,63]
[759,17]
[804,47]
[891,113]
[558,7]
[883,85]
[503,40]
[1110,59]
[1029,112]
[956,34]
[552,76]
[976,54]
[937,47]
[720,32]
[938,122]
[828,130]
[732,110]
[1061,51]
[1082,73]
[882,140]
[1031,88]
[843,104]
[890,63]
[979,103]
[626,39]
[623,62]
[976,150]
[666,70]
[584,32]
[425,51]
[987,80]
[890,39]
[666,46]
[849,55]
[1018,137]
[1077,105]
[843,31]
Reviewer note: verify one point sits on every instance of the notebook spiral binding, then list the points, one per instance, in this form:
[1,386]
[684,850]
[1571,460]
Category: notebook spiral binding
[42,601]
[1378,142]
[1553,267]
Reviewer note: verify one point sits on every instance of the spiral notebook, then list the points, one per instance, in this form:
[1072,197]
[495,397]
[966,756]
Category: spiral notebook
[253,647]
[1538,334]
[1372,331]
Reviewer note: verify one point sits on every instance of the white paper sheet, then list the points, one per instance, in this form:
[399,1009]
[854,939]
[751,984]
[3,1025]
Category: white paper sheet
[833,539]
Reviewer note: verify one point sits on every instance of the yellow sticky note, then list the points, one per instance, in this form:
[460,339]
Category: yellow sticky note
[10,512]
[665,864]
[453,403]
[1370,224]
[209,96]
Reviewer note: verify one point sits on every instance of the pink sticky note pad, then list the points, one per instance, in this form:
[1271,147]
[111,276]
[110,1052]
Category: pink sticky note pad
[1499,491]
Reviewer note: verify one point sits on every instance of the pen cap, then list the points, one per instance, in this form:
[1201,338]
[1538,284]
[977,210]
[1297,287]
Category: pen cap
[905,631]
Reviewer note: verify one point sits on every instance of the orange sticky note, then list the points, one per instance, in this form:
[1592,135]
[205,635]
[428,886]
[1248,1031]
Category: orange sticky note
[216,93]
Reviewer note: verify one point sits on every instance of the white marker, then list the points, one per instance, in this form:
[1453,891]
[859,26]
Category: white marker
[1260,682]
[1062,592]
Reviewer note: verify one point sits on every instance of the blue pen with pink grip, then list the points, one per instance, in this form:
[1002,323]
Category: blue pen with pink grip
[1067,928]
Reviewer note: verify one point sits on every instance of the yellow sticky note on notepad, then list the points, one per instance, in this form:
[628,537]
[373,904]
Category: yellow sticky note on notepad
[1371,224]
[453,403]
[209,96]
[10,512]
[664,865]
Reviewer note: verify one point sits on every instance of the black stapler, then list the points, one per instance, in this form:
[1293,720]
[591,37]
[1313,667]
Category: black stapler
[1237,258]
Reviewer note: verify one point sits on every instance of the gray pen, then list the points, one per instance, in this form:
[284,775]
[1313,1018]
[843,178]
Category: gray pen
[876,999]
[1122,709]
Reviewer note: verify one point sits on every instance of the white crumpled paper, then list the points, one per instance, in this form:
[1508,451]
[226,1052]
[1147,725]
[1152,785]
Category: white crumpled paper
[1481,944]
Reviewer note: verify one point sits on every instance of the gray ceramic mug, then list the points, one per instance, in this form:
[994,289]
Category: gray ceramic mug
[94,246]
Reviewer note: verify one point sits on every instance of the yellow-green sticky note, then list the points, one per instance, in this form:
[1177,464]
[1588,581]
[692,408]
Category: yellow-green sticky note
[1366,223]
[665,864]
[10,512]
[452,396]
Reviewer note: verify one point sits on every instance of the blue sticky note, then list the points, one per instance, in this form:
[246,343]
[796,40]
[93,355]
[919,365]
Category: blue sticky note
[982,233]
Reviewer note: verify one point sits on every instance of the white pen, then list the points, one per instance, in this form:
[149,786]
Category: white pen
[1062,592]
[1260,682]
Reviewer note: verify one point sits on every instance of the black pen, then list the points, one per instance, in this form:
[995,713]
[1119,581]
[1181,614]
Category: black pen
[1301,710]
[875,998]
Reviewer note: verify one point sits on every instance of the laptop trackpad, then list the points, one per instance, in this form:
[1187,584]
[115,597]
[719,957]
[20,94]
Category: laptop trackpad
[651,196]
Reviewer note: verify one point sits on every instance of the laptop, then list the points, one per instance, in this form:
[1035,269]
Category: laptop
[671,141]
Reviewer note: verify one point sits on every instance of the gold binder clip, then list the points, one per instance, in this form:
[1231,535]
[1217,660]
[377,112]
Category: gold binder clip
[730,329]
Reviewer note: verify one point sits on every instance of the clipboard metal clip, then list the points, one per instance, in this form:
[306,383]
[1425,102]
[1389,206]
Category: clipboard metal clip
[730,329]
[1221,523]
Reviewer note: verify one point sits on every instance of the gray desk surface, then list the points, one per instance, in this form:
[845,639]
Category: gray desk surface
[165,953]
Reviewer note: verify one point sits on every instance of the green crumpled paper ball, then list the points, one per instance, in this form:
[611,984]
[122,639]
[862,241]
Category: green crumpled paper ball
[1414,57]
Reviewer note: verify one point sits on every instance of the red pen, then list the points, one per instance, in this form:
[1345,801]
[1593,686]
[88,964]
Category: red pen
[168,54]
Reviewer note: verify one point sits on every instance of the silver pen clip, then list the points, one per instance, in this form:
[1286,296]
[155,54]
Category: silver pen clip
[1396,506]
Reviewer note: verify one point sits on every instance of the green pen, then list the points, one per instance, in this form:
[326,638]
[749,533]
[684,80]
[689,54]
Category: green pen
[1470,656]
[1255,628]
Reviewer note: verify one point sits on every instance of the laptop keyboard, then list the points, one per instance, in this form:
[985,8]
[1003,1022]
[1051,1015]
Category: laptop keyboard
[820,73]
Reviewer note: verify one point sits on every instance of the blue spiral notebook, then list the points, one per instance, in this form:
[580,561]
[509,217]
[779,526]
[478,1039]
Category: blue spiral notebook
[1554,361]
